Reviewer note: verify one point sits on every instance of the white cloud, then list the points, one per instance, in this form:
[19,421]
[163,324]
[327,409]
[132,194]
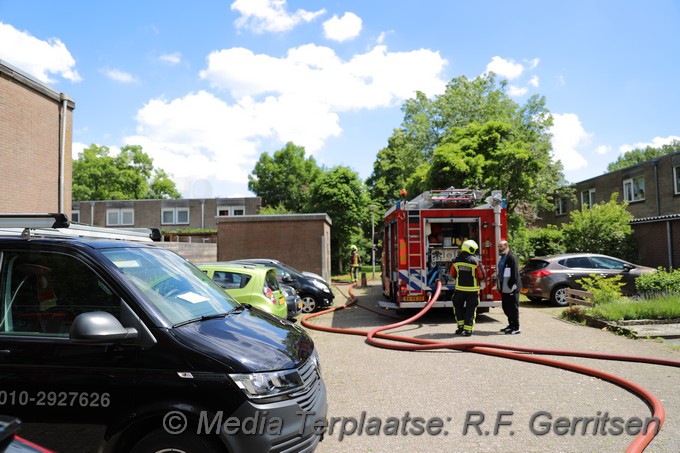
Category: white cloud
[119,76]
[515,91]
[534,81]
[37,57]
[342,28]
[568,137]
[374,79]
[603,149]
[505,68]
[262,16]
[171,58]
[298,98]
[656,142]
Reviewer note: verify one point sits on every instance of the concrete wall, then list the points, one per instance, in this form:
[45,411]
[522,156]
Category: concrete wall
[196,253]
[299,240]
[30,137]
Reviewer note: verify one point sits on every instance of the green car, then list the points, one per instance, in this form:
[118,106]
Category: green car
[254,285]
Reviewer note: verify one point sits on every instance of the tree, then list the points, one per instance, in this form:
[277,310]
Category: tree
[341,194]
[128,176]
[473,135]
[284,178]
[637,156]
[604,228]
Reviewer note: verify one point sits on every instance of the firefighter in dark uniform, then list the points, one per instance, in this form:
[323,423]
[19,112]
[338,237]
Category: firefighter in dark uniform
[469,275]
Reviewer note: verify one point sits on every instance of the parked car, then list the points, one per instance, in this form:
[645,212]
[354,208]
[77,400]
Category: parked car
[548,277]
[293,301]
[315,293]
[117,336]
[248,284]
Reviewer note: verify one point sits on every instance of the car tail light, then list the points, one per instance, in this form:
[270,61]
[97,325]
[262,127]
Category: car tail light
[270,294]
[540,274]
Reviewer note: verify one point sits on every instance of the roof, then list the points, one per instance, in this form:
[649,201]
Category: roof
[659,218]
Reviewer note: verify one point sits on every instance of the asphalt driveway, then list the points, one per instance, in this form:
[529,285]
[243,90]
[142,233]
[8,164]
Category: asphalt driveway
[433,401]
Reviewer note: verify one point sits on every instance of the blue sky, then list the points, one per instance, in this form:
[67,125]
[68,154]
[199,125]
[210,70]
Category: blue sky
[205,87]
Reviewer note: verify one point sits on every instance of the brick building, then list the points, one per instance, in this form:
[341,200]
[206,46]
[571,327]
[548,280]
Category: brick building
[170,214]
[36,125]
[299,240]
[652,190]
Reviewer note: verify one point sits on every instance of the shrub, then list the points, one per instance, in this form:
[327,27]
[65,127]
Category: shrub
[659,282]
[605,290]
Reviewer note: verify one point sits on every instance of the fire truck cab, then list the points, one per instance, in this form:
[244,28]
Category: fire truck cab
[424,235]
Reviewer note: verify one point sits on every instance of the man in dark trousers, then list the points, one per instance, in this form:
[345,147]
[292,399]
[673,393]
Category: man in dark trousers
[509,285]
[469,275]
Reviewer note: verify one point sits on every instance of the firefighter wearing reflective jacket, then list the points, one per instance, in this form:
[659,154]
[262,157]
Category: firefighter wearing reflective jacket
[469,275]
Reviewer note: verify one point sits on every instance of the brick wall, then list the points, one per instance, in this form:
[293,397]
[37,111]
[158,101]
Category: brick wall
[299,240]
[30,136]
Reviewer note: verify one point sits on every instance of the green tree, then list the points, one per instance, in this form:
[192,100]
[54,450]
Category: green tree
[637,156]
[473,135]
[340,193]
[128,176]
[284,178]
[604,228]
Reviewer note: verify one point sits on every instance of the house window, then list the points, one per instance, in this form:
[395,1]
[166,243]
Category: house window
[120,216]
[175,216]
[231,210]
[634,189]
[676,179]
[587,198]
[560,206]
[75,215]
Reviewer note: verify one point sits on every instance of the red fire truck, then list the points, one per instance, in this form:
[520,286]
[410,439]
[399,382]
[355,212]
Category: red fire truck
[424,235]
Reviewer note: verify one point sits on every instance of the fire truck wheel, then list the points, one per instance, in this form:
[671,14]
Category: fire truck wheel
[559,296]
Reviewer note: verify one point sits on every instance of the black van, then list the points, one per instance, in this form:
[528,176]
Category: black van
[135,339]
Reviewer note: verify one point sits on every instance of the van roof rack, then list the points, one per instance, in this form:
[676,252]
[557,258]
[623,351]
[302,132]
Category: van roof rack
[58,225]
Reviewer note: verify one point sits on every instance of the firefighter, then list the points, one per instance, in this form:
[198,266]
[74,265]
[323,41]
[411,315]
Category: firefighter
[355,262]
[469,275]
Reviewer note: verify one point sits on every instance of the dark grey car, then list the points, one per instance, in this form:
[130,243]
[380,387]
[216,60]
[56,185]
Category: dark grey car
[548,277]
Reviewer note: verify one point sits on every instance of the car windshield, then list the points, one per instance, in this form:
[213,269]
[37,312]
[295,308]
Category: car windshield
[179,290]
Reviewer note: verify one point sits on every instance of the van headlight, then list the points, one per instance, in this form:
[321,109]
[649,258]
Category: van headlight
[264,385]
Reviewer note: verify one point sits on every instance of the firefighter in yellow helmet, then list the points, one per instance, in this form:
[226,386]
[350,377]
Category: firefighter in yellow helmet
[469,275]
[355,263]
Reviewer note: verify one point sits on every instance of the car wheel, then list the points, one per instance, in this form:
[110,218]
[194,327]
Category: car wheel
[160,441]
[308,304]
[559,296]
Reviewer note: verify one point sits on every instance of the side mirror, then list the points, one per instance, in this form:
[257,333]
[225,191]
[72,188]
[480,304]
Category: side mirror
[628,267]
[100,327]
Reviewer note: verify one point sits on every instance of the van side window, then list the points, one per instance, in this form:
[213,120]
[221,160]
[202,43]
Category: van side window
[41,293]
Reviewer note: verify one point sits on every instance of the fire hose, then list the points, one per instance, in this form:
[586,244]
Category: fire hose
[396,342]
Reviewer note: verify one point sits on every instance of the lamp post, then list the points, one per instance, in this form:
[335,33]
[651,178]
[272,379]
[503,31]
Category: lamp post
[372,208]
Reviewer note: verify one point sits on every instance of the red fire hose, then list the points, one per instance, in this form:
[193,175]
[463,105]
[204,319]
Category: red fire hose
[638,444]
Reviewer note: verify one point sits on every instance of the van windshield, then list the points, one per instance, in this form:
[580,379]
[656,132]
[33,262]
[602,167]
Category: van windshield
[179,290]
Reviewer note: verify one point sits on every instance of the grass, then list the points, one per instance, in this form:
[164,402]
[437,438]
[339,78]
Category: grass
[660,307]
[366,268]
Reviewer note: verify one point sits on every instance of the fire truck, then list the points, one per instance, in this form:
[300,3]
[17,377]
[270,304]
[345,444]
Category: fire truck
[424,235]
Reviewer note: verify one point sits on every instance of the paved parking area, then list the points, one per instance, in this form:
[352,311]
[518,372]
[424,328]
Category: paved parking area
[381,391]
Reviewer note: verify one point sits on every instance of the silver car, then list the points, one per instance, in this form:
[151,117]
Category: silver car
[548,277]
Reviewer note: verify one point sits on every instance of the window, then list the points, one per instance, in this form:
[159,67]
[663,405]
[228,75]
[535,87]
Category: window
[120,216]
[231,210]
[75,215]
[587,199]
[173,216]
[579,261]
[676,179]
[634,189]
[44,292]
[560,206]
[231,280]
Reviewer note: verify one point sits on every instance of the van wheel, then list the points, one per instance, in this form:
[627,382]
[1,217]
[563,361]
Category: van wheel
[559,296]
[161,442]
[308,304]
